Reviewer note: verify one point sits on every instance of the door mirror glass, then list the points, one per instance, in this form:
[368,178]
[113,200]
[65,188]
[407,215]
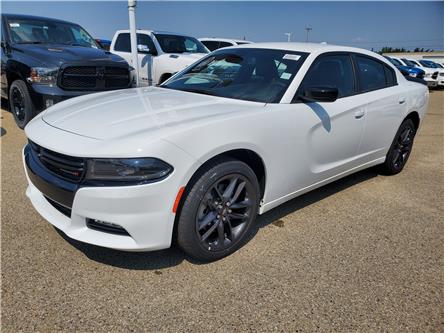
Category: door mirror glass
[320,94]
[143,48]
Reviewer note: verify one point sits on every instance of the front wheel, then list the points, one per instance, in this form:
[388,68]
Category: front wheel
[400,149]
[20,103]
[218,211]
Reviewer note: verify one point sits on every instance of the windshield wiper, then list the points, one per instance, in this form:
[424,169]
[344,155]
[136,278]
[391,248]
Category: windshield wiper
[197,91]
[34,42]
[200,91]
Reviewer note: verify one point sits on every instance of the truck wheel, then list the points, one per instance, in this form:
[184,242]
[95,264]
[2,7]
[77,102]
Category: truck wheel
[20,103]
[164,77]
[218,210]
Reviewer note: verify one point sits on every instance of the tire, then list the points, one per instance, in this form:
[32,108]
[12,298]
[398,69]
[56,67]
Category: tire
[213,225]
[400,149]
[20,103]
[164,77]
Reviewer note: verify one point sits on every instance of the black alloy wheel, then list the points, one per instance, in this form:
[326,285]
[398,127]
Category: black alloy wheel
[17,104]
[223,212]
[400,149]
[20,103]
[219,206]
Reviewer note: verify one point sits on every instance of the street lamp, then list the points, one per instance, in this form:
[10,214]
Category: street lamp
[133,37]
[288,36]
[308,29]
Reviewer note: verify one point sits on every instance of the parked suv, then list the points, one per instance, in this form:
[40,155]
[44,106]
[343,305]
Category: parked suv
[161,54]
[45,61]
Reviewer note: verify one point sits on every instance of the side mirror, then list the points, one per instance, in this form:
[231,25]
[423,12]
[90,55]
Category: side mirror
[143,49]
[320,94]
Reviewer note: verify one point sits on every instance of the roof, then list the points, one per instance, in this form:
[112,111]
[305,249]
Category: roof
[307,47]
[31,17]
[225,40]
[154,32]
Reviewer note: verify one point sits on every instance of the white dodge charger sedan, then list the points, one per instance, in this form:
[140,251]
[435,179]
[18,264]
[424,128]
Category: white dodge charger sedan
[234,135]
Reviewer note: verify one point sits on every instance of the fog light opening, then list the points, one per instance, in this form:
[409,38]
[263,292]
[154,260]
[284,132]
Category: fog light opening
[105,226]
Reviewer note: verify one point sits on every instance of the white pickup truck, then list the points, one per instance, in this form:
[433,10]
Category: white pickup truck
[161,54]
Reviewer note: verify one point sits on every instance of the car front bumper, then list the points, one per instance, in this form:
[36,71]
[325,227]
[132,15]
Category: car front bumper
[144,211]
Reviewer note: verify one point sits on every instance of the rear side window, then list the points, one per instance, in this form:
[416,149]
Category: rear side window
[224,44]
[371,74]
[334,70]
[390,76]
[123,43]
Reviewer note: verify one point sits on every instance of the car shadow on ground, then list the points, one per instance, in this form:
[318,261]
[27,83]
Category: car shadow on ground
[171,257]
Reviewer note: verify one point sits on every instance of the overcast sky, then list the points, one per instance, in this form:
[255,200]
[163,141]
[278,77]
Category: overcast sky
[362,24]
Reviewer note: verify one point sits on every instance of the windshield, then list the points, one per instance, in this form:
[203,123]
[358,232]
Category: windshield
[42,31]
[428,64]
[409,63]
[180,44]
[394,61]
[260,75]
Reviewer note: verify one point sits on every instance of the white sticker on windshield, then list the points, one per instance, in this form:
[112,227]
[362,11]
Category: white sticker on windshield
[285,76]
[14,25]
[292,57]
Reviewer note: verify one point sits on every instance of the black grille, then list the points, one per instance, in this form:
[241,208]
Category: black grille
[420,76]
[67,167]
[106,227]
[434,75]
[94,78]
[62,209]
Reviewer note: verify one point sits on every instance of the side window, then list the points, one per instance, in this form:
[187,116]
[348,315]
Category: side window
[224,44]
[371,74]
[211,44]
[334,70]
[144,39]
[390,76]
[123,42]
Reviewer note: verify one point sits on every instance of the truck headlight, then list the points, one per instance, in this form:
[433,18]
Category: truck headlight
[127,169]
[43,75]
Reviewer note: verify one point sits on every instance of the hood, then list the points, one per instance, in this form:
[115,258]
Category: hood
[412,69]
[148,111]
[57,54]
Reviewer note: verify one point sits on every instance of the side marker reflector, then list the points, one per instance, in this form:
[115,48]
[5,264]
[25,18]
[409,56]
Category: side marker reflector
[178,197]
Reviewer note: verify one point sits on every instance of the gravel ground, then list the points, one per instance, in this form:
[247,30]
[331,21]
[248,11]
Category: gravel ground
[362,254]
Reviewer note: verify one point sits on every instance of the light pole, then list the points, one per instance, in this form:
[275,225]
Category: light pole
[308,29]
[133,37]
[288,36]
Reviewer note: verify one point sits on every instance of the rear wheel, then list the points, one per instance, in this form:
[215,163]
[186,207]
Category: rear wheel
[20,103]
[400,149]
[218,211]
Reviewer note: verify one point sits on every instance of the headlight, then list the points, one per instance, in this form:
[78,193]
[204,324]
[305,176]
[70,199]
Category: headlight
[42,75]
[127,169]
[428,75]
[413,74]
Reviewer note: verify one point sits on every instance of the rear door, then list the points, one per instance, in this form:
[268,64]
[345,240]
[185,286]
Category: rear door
[384,108]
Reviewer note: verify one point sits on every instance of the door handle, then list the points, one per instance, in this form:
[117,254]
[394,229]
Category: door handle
[402,100]
[359,114]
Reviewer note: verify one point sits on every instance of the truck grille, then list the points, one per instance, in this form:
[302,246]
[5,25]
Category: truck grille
[94,78]
[67,167]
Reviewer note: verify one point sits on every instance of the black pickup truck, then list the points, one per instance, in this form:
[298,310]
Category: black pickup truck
[45,61]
